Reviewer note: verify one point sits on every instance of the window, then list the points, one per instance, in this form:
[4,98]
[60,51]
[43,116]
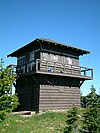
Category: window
[53,57]
[21,60]
[44,56]
[31,58]
[69,60]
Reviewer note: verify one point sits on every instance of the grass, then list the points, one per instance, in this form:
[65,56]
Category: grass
[49,122]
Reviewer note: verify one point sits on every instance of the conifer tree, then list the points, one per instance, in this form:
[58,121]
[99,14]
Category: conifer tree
[72,121]
[7,102]
[92,113]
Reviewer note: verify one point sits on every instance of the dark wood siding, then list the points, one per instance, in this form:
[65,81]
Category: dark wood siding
[58,97]
[28,93]
[24,91]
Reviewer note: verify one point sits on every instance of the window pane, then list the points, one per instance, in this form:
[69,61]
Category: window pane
[31,56]
[21,60]
[69,60]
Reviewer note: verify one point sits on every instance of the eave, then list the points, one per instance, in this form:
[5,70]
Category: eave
[39,41]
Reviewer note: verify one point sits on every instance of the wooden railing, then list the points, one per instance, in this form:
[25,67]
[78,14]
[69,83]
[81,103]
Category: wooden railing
[12,68]
[55,67]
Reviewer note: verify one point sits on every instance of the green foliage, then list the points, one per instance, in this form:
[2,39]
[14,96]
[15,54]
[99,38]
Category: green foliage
[84,101]
[72,121]
[92,99]
[7,102]
[92,113]
[91,120]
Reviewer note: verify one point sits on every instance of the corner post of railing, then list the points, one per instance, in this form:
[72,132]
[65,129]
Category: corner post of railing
[80,70]
[92,73]
[37,60]
[85,71]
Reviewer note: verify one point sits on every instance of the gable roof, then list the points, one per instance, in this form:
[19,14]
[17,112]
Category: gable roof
[41,40]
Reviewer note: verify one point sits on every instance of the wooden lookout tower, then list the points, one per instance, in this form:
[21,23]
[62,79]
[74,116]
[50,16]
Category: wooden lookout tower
[49,75]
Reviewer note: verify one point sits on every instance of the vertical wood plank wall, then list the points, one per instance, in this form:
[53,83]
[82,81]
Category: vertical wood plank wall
[58,97]
[24,91]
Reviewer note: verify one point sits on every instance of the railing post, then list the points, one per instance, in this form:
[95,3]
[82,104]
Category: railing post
[54,66]
[92,73]
[64,68]
[46,65]
[71,69]
[85,72]
[79,70]
[37,65]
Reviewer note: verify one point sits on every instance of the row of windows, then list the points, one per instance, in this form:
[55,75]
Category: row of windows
[50,57]
[58,58]
[23,59]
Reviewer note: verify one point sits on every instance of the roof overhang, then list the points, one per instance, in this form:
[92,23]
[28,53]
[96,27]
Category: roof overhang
[42,40]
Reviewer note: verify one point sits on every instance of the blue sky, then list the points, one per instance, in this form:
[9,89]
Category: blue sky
[73,22]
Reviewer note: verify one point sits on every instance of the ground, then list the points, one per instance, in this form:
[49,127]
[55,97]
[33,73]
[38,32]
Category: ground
[49,122]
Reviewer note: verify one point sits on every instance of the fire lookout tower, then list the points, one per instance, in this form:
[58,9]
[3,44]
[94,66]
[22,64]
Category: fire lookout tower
[49,75]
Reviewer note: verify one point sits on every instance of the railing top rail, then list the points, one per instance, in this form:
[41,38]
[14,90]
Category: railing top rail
[63,64]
